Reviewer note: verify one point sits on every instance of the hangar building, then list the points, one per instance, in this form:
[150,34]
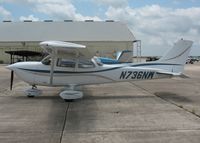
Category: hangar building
[102,38]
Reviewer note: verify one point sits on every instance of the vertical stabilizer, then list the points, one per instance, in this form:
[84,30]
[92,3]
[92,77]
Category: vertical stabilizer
[177,56]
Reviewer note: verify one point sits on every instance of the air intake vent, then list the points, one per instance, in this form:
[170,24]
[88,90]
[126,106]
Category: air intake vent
[68,20]
[48,20]
[27,20]
[7,21]
[110,21]
[89,20]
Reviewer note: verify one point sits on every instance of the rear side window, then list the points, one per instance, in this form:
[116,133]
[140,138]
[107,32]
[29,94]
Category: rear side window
[85,64]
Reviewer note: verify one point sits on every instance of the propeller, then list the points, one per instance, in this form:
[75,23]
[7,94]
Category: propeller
[11,79]
[10,67]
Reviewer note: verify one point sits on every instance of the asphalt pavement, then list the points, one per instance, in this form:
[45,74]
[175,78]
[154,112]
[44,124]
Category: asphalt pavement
[160,111]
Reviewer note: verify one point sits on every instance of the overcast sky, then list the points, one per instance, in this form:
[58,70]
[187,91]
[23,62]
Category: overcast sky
[158,23]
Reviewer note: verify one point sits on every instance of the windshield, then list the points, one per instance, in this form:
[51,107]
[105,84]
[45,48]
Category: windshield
[46,60]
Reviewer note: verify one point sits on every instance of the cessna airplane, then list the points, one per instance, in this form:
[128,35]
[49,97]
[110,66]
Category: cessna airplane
[66,66]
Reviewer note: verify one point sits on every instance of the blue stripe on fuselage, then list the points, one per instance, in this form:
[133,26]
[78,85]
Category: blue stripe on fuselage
[75,72]
[155,64]
[68,72]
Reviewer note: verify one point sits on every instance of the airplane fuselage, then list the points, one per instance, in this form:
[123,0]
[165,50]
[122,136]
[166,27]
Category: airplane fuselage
[36,73]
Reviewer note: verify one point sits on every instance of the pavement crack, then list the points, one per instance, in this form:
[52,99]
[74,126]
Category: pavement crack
[140,87]
[65,119]
[179,106]
[132,130]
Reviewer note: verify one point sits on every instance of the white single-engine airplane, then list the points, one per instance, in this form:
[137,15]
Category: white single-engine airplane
[66,66]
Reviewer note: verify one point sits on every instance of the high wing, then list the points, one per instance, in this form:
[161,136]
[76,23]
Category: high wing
[65,49]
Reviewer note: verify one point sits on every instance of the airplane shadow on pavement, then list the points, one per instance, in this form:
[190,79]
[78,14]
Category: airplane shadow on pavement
[170,96]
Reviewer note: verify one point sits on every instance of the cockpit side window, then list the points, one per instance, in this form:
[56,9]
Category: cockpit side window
[66,63]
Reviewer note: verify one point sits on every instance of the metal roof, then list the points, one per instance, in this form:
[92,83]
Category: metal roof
[29,31]
[24,53]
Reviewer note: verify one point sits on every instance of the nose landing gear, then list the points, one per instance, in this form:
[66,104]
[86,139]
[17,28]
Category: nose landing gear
[32,92]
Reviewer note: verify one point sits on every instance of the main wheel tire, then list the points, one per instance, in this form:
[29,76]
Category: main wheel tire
[69,100]
[30,96]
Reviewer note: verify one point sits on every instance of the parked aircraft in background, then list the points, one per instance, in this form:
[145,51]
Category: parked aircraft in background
[122,57]
[66,66]
[191,60]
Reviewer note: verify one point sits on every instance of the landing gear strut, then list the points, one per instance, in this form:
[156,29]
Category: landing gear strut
[33,91]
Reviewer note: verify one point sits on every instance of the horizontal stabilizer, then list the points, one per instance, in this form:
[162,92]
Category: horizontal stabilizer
[184,76]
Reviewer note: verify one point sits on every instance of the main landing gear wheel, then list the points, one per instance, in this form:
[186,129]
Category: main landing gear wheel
[32,92]
[71,95]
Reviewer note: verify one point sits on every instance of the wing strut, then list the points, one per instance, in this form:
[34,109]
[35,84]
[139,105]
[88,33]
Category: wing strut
[53,57]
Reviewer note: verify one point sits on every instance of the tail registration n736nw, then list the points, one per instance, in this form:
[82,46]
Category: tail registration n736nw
[137,75]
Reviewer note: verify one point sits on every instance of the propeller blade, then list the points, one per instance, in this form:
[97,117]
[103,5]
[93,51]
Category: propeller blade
[11,79]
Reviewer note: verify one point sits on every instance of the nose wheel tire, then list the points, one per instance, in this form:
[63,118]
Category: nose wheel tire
[32,92]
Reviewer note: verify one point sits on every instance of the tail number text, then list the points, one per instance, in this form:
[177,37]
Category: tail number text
[136,75]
